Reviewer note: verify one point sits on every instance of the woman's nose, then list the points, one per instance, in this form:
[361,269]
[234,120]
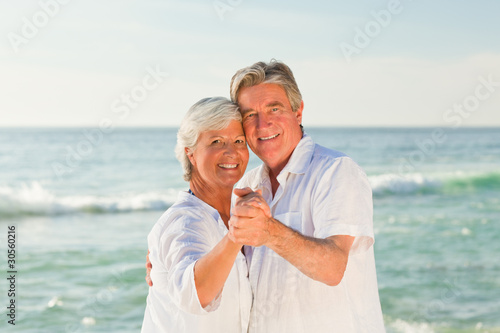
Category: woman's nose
[230,150]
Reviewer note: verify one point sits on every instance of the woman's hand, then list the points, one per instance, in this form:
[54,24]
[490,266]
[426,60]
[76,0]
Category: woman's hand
[149,266]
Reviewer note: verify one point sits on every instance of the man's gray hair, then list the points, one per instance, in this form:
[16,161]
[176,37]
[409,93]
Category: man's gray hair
[274,72]
[208,114]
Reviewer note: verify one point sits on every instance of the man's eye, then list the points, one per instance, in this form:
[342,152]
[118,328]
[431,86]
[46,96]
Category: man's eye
[274,109]
[216,142]
[240,141]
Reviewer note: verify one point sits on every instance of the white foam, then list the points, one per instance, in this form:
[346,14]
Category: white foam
[88,321]
[405,327]
[55,301]
[34,199]
[401,184]
[466,231]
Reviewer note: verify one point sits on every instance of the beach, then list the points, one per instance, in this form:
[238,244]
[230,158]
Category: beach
[82,201]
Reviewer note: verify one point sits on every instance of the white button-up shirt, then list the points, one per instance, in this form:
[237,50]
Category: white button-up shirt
[186,232]
[321,193]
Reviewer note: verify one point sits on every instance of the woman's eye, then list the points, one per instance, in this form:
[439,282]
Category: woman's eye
[216,142]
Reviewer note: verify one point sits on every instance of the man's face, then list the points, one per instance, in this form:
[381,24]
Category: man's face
[271,127]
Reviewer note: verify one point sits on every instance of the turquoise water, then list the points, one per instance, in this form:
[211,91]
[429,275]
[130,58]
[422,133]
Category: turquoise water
[83,203]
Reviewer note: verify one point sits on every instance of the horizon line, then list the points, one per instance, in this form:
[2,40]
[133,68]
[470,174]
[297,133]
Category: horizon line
[305,126]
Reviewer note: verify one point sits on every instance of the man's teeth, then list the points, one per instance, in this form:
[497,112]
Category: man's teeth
[269,137]
[228,166]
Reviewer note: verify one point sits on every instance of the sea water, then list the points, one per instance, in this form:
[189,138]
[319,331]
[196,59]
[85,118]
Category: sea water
[82,202]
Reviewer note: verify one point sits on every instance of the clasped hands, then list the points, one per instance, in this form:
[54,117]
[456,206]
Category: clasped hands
[251,222]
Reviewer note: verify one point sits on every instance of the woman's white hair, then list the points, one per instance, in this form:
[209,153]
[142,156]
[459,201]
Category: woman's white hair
[208,114]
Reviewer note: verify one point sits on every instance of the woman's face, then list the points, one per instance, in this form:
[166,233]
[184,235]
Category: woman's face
[221,157]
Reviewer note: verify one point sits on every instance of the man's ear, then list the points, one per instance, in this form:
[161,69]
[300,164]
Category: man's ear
[298,113]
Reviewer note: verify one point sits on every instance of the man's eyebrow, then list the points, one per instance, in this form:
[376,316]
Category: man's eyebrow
[245,111]
[274,104]
[268,105]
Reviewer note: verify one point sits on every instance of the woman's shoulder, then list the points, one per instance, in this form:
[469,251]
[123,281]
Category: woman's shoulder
[187,213]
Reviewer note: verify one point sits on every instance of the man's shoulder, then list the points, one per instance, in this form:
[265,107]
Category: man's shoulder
[322,151]
[326,160]
[251,177]
[329,157]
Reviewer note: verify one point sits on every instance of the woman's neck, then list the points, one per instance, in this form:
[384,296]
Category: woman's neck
[217,197]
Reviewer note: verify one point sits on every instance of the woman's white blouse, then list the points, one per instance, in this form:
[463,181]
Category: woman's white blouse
[184,233]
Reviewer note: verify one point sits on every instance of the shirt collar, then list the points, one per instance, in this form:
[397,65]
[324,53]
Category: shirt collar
[197,201]
[298,162]
[301,156]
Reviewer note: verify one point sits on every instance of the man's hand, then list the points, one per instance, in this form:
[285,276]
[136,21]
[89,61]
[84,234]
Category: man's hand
[149,266]
[251,222]
[322,259]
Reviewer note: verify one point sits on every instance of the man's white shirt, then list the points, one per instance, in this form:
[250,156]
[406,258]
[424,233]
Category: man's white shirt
[322,193]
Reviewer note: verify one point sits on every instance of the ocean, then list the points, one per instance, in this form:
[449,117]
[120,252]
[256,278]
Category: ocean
[76,206]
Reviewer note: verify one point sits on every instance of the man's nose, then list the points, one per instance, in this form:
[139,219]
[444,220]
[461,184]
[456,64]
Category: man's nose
[263,120]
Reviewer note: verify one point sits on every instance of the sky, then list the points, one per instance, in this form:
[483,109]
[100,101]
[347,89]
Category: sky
[144,63]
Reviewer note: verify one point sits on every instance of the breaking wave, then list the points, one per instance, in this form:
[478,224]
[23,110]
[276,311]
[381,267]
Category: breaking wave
[34,199]
[394,184]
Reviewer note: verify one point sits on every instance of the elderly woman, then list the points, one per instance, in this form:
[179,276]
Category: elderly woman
[200,275]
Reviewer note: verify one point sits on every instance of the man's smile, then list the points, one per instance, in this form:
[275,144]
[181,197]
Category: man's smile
[269,137]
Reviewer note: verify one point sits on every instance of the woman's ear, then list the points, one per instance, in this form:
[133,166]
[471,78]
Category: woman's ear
[189,154]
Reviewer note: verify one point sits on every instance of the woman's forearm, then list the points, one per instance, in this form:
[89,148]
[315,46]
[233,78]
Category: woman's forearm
[212,270]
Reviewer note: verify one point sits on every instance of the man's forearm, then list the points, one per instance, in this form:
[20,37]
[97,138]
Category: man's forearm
[324,260]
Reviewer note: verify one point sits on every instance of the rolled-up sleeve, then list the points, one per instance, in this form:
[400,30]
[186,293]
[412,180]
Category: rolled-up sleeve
[343,205]
[181,244]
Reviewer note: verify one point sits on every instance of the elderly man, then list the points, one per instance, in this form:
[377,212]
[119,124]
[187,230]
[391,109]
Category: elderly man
[305,216]
[309,222]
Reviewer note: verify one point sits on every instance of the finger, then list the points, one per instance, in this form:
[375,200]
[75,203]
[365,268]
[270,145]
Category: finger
[148,262]
[245,211]
[265,209]
[232,237]
[241,224]
[252,209]
[245,238]
[257,204]
[256,196]
[235,222]
[149,267]
[241,192]
[148,281]
[238,236]
[255,201]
